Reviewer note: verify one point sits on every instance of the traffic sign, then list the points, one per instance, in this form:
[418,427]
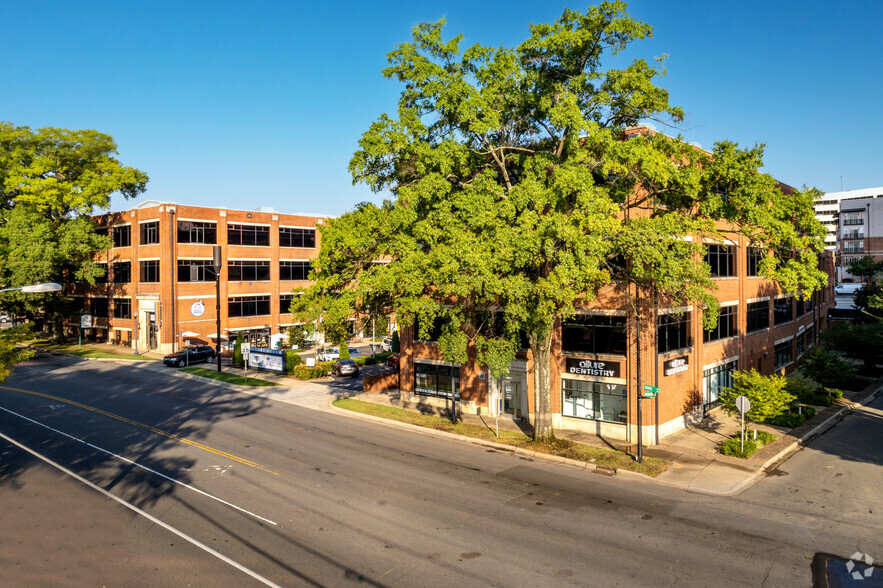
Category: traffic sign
[650,391]
[743,404]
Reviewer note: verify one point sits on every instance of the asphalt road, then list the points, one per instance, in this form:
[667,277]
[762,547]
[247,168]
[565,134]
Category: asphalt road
[300,497]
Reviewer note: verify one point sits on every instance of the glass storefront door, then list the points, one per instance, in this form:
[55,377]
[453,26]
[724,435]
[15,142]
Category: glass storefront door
[512,398]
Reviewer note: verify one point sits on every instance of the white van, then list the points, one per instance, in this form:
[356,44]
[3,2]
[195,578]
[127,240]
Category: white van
[847,288]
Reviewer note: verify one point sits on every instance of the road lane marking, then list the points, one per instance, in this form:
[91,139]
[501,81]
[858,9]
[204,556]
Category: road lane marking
[150,428]
[146,515]
[143,467]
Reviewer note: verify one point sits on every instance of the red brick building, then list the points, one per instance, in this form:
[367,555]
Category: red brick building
[159,288]
[595,361]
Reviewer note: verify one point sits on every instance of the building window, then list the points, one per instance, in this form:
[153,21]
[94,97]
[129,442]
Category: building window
[98,307]
[248,306]
[783,353]
[714,380]
[122,236]
[758,315]
[800,307]
[800,341]
[753,257]
[150,271]
[437,380]
[102,279]
[285,303]
[196,270]
[672,331]
[122,308]
[248,271]
[726,325]
[289,237]
[810,334]
[783,310]
[595,334]
[197,232]
[434,332]
[122,272]
[150,233]
[722,260]
[594,401]
[248,235]
[294,270]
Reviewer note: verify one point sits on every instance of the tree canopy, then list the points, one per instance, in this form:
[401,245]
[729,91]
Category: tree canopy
[51,180]
[521,186]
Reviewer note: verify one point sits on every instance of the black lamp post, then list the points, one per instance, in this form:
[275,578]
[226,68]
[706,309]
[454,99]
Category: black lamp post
[216,262]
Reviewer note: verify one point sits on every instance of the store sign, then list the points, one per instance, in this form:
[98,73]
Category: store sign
[592,367]
[197,308]
[85,321]
[266,359]
[675,366]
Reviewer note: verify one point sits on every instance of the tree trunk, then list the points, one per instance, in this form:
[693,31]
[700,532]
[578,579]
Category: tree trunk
[541,347]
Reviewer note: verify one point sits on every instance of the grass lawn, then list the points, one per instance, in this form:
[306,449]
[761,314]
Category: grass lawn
[561,448]
[85,351]
[213,374]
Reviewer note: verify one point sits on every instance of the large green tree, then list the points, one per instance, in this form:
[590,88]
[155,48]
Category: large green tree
[865,267]
[51,180]
[516,196]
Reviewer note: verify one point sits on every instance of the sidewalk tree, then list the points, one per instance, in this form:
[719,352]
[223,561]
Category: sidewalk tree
[863,342]
[767,395]
[825,366]
[869,301]
[864,267]
[516,197]
[51,180]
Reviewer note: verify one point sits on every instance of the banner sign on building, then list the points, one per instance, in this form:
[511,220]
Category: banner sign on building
[592,367]
[676,365]
[272,360]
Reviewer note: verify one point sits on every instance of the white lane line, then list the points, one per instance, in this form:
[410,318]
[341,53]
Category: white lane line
[146,515]
[143,467]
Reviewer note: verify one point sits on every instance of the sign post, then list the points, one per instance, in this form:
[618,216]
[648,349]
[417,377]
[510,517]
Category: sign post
[245,348]
[650,391]
[85,323]
[744,405]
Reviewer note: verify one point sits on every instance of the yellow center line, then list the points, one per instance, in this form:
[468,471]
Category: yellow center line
[150,428]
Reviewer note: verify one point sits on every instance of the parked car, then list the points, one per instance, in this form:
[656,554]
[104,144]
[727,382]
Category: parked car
[393,360]
[386,344]
[847,288]
[190,355]
[327,354]
[345,367]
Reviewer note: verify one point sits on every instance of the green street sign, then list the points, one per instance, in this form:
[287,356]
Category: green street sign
[650,391]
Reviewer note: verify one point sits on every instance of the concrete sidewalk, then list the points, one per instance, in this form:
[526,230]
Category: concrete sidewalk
[695,463]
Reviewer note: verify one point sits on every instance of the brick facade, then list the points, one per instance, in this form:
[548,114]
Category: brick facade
[166,304]
[682,397]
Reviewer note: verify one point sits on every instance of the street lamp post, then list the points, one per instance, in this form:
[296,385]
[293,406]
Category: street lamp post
[41,288]
[216,262]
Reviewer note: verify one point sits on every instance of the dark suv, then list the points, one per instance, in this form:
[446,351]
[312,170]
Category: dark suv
[188,355]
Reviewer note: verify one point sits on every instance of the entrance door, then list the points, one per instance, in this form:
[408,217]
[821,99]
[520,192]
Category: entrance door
[512,398]
[152,330]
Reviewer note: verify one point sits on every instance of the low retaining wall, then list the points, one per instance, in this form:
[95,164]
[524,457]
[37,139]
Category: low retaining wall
[380,382]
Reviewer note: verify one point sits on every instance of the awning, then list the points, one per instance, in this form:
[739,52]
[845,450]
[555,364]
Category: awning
[189,334]
[215,336]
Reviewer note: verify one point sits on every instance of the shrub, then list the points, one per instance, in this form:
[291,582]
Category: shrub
[793,418]
[292,360]
[304,372]
[763,437]
[237,350]
[733,446]
[766,393]
[344,351]
[800,387]
[395,345]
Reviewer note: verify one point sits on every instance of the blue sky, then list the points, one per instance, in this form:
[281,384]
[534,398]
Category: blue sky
[249,104]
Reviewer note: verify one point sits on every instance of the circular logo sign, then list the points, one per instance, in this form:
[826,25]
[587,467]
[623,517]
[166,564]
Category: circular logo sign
[197,308]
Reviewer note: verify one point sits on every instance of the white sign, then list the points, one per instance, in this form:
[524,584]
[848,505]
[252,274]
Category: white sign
[743,404]
[245,348]
[85,321]
[197,308]
[265,359]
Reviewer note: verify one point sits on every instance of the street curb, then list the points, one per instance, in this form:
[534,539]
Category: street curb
[797,444]
[582,465]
